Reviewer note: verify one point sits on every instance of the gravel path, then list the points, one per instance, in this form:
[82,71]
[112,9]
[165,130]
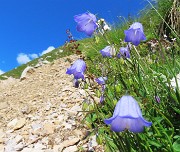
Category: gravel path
[41,112]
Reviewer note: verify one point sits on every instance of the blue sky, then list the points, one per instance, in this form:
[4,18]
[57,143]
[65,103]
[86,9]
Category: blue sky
[29,27]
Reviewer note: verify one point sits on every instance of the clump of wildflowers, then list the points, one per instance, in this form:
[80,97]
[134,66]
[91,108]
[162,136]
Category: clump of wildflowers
[108,51]
[135,34]
[77,69]
[127,115]
[86,22]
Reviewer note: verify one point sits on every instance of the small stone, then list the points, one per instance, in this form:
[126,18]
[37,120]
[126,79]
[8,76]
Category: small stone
[48,106]
[39,146]
[1,140]
[26,110]
[71,149]
[2,148]
[57,122]
[12,123]
[3,105]
[19,146]
[67,125]
[36,127]
[92,143]
[70,142]
[78,133]
[54,115]
[49,128]
[57,148]
[27,70]
[27,150]
[18,139]
[82,92]
[1,133]
[21,122]
[31,150]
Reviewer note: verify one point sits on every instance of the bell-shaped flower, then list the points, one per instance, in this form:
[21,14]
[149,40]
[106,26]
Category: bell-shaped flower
[124,52]
[101,80]
[135,34]
[127,115]
[108,51]
[77,69]
[76,83]
[86,22]
[157,99]
[102,98]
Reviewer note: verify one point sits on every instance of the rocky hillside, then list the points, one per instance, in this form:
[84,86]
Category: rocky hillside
[42,112]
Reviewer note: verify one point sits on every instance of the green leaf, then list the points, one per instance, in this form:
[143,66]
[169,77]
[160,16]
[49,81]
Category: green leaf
[176,137]
[94,117]
[154,143]
[176,145]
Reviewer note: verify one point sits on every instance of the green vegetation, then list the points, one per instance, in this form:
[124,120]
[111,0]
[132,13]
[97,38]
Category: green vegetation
[146,75]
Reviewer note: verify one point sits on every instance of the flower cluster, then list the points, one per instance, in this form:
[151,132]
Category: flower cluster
[127,113]
[134,35]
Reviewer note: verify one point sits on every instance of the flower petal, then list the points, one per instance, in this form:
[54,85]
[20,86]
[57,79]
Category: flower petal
[127,115]
[86,23]
[135,34]
[82,17]
[101,80]
[78,75]
[118,124]
[107,51]
[77,69]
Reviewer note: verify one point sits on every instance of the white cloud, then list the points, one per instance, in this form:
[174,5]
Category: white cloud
[1,72]
[49,49]
[33,56]
[23,58]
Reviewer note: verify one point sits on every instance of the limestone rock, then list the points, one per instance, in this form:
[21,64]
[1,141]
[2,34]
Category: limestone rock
[21,122]
[3,105]
[71,149]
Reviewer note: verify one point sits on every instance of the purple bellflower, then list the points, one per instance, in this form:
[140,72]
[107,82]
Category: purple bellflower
[77,69]
[108,51]
[124,52]
[76,83]
[86,22]
[158,100]
[135,34]
[127,115]
[101,98]
[101,80]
